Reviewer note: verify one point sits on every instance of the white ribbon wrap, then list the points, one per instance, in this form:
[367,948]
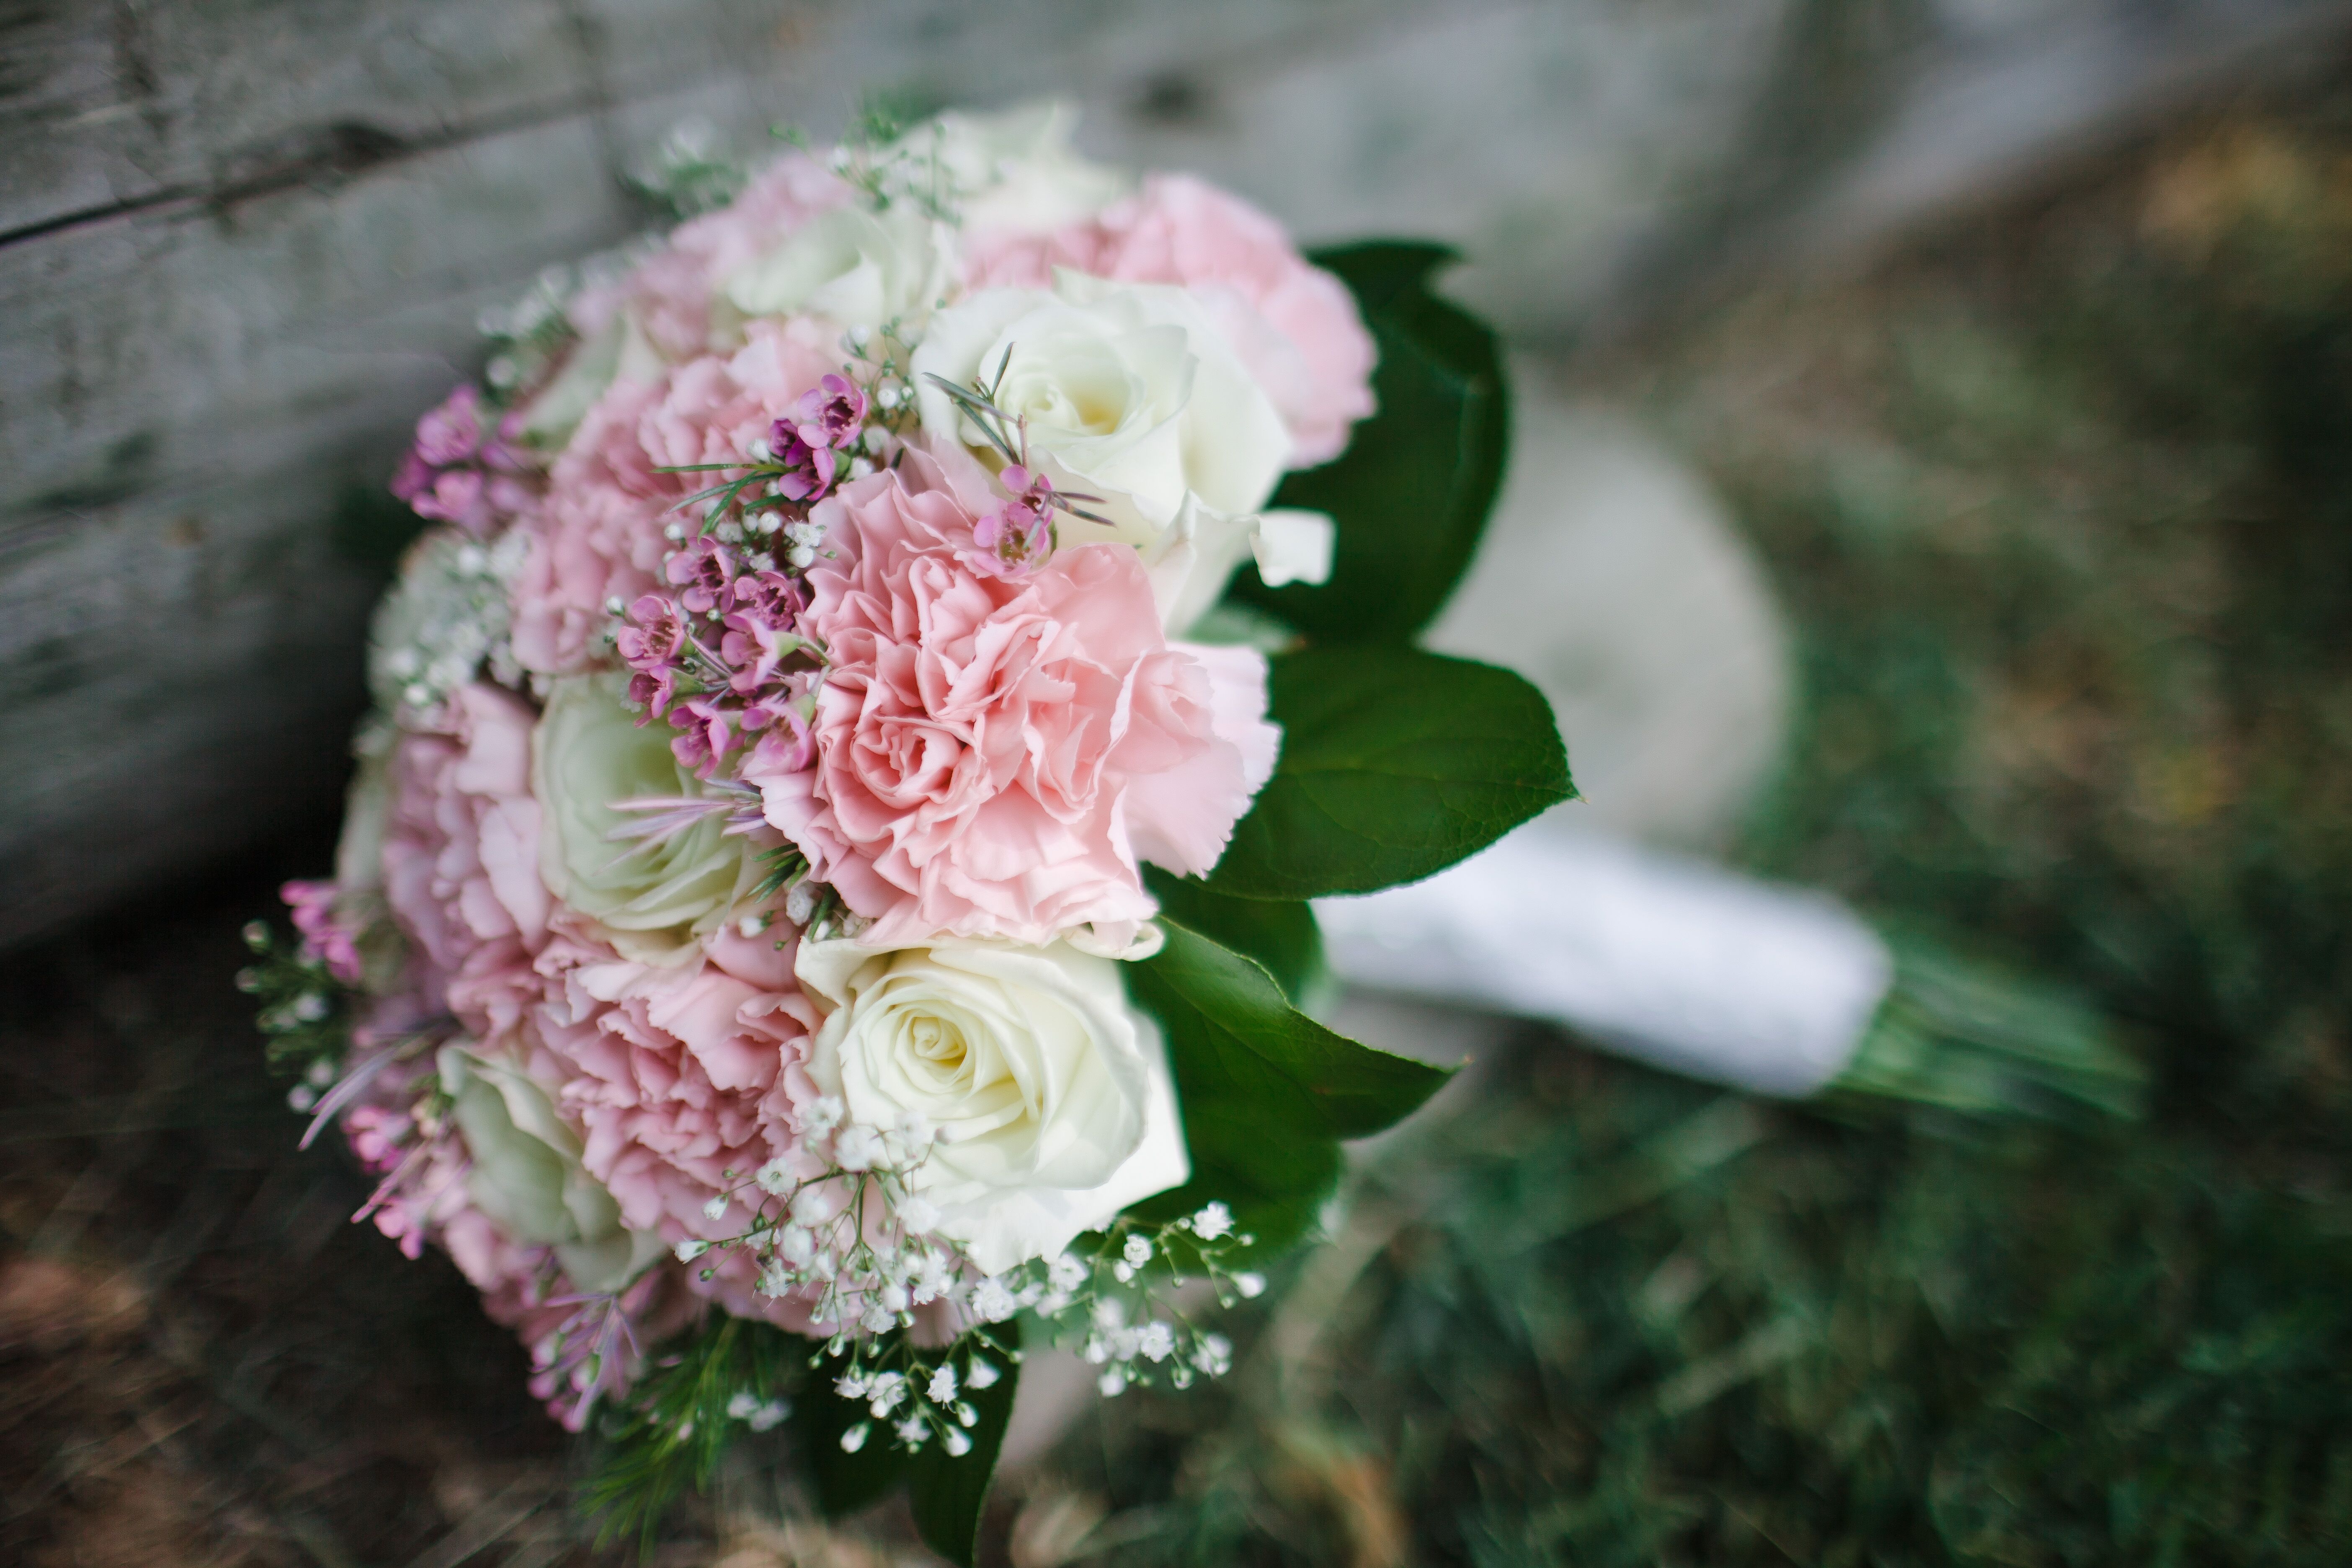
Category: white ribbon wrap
[1669,960]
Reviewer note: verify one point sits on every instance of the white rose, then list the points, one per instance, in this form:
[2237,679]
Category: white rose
[526,1176]
[862,268]
[1012,170]
[1130,393]
[1051,1096]
[654,895]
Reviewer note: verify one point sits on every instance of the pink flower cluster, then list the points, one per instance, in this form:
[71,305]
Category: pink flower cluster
[464,471]
[719,696]
[964,730]
[828,421]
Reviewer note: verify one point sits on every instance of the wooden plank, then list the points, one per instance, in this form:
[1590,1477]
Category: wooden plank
[188,400]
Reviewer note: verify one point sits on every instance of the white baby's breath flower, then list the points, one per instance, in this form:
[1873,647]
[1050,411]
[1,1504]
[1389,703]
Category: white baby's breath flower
[858,1149]
[919,1215]
[981,1375]
[1249,1284]
[942,1390]
[1214,1221]
[991,1302]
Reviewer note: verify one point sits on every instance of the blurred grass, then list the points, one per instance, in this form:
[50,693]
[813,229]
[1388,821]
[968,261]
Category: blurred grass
[2062,508]
[2059,507]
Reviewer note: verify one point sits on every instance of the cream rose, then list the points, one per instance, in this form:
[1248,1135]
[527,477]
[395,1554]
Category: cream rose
[1129,392]
[1050,1094]
[1015,170]
[526,1176]
[654,898]
[862,268]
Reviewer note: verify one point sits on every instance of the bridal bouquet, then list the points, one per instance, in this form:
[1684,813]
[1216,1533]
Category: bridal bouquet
[822,901]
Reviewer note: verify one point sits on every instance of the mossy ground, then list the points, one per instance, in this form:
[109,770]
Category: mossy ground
[2061,506]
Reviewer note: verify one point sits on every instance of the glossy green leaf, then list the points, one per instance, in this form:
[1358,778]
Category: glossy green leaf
[844,1483]
[1395,763]
[948,1492]
[1266,1091]
[1412,492]
[1281,936]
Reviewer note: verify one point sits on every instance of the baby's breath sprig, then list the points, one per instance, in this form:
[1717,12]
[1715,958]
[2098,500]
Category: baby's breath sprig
[1110,1292]
[306,1012]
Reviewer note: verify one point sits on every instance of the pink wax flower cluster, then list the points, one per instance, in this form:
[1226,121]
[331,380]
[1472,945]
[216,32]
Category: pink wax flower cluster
[758,686]
[464,468]
[326,935]
[828,421]
[724,693]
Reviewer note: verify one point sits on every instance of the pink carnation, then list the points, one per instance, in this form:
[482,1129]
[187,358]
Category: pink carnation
[994,753]
[599,535]
[675,1076]
[1294,325]
[461,859]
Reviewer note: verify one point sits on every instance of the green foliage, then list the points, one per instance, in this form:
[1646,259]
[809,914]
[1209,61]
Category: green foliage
[306,1013]
[1412,492]
[1266,1091]
[1281,936]
[1608,1318]
[846,1481]
[1395,763]
[677,1424]
[949,1492]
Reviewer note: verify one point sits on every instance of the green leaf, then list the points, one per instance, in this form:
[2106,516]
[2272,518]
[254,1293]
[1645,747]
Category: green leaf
[949,1493]
[1395,763]
[1412,490]
[1281,936]
[844,1483]
[1266,1091]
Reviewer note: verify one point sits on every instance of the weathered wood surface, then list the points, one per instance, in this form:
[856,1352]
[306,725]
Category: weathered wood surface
[243,242]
